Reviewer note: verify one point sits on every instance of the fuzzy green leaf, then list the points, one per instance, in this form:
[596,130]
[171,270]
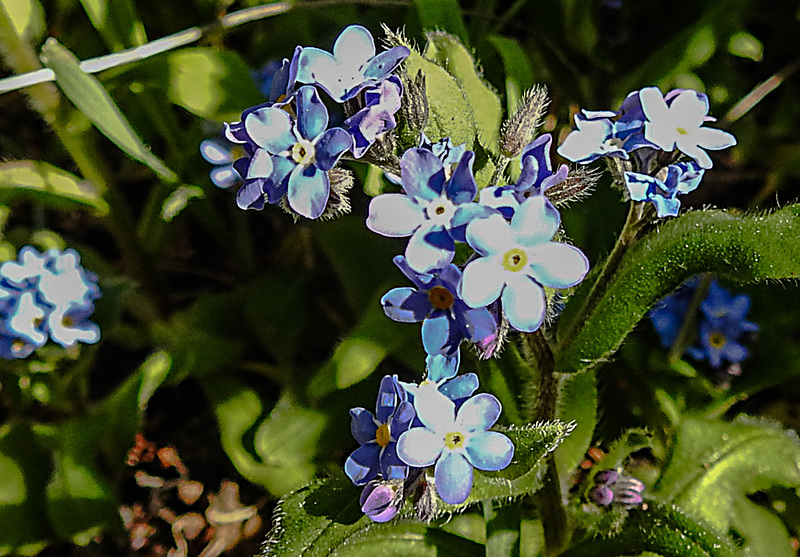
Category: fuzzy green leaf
[578,403]
[714,466]
[50,185]
[740,248]
[324,518]
[91,98]
[661,529]
[484,104]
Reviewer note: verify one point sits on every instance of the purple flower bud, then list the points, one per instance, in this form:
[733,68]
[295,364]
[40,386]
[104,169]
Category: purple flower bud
[614,487]
[602,495]
[607,477]
[380,501]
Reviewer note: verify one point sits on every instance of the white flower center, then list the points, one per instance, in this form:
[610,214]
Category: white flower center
[303,152]
[440,211]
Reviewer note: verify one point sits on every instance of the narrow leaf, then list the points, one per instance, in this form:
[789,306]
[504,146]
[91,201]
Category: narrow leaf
[117,22]
[48,184]
[91,98]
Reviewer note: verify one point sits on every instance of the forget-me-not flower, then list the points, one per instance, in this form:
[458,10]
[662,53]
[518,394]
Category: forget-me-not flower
[442,376]
[377,435]
[455,441]
[518,260]
[664,189]
[352,66]
[446,319]
[289,156]
[676,122]
[377,117]
[434,211]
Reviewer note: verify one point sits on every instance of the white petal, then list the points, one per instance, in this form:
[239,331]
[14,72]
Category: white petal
[394,215]
[482,282]
[419,447]
[524,304]
[490,235]
[558,265]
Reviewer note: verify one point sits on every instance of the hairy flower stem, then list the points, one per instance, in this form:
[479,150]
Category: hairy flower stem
[550,499]
[634,224]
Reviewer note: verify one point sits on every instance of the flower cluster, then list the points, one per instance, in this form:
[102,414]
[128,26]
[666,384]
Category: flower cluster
[45,295]
[437,423]
[721,329]
[289,148]
[645,137]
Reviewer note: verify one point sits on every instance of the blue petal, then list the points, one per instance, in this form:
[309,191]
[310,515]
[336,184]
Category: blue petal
[224,176]
[422,174]
[536,221]
[639,185]
[489,450]
[558,265]
[406,305]
[331,146]
[665,206]
[216,151]
[429,248]
[476,323]
[251,195]
[464,215]
[390,395]
[363,464]
[308,191]
[524,304]
[382,65]
[461,188]
[419,447]
[453,477]
[441,367]
[420,280]
[460,387]
[404,413]
[362,425]
[435,334]
[392,468]
[312,116]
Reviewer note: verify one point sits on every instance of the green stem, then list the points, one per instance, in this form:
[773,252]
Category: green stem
[630,231]
[686,333]
[550,500]
[499,170]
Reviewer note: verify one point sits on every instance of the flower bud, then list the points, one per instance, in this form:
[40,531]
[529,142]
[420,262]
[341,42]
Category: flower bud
[518,130]
[381,501]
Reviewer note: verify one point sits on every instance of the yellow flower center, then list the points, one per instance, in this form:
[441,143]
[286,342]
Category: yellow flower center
[717,340]
[682,131]
[440,297]
[515,260]
[303,152]
[17,346]
[454,440]
[67,321]
[383,435]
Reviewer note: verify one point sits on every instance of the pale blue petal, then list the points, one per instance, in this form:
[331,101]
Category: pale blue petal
[666,207]
[216,151]
[419,447]
[478,413]
[308,191]
[441,367]
[460,387]
[434,410]
[354,45]
[535,222]
[453,477]
[489,450]
[524,304]
[482,282]
[382,65]
[251,195]
[224,176]
[423,255]
[312,116]
[270,129]
[639,185]
[261,165]
[491,235]
[394,215]
[558,265]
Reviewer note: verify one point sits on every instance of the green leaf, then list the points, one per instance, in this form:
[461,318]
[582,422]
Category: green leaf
[714,466]
[91,98]
[740,248]
[24,469]
[483,103]
[281,457]
[117,22]
[210,83]
[449,113]
[746,45]
[27,17]
[325,518]
[578,403]
[658,528]
[49,185]
[517,66]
